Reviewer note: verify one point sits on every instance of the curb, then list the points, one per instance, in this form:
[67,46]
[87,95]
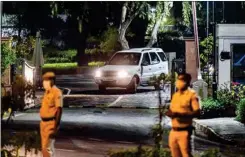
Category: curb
[213,136]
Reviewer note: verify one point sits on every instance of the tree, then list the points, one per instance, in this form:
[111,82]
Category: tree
[206,50]
[162,11]
[129,11]
[8,57]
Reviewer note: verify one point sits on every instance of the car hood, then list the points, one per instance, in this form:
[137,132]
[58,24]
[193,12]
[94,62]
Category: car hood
[128,68]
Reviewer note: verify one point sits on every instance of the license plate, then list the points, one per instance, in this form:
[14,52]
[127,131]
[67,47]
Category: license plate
[108,79]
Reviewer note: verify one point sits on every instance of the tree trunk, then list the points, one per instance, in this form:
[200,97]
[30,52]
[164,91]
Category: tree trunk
[125,24]
[82,58]
[153,38]
[122,39]
[122,28]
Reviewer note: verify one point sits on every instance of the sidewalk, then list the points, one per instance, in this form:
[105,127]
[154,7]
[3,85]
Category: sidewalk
[222,130]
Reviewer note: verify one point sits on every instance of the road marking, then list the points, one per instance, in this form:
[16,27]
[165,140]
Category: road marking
[116,101]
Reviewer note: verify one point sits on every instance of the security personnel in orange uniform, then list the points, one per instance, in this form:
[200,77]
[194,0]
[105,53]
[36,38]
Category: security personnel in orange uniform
[183,108]
[50,114]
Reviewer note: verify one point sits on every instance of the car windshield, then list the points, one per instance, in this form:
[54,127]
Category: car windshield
[125,59]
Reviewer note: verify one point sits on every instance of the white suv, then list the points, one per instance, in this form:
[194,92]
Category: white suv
[130,68]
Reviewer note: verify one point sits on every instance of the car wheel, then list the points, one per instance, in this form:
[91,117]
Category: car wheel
[102,88]
[132,88]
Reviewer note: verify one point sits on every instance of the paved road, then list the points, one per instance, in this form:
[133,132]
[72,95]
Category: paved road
[85,92]
[130,125]
[107,128]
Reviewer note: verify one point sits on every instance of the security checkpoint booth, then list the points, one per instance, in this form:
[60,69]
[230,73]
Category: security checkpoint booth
[231,53]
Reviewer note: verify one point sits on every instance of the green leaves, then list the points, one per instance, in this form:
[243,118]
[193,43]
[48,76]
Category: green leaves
[241,111]
[8,56]
[186,13]
[206,47]
[27,139]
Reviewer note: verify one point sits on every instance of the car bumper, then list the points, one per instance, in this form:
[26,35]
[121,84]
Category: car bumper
[114,81]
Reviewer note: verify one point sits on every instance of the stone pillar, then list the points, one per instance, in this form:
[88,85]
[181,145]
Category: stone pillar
[191,58]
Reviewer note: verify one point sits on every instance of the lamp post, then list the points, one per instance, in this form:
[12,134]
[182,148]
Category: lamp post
[214,84]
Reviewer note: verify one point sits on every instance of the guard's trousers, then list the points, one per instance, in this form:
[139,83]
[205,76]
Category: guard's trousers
[180,143]
[47,129]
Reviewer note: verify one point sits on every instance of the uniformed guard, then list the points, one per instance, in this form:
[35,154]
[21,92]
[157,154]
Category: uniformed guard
[183,108]
[50,114]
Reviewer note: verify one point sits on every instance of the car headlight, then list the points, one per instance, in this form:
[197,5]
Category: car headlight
[122,74]
[98,74]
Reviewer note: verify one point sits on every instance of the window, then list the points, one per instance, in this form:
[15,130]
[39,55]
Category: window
[146,59]
[154,58]
[125,59]
[238,63]
[162,56]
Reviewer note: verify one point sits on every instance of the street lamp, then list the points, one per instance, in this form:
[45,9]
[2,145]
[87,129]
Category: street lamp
[214,84]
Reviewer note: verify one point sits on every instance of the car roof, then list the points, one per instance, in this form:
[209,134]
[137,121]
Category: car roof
[141,50]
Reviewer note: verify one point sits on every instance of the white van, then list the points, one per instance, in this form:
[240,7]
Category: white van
[131,68]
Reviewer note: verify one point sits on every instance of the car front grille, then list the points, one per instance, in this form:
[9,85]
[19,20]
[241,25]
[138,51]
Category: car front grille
[109,73]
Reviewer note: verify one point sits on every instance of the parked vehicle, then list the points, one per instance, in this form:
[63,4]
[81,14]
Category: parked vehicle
[131,68]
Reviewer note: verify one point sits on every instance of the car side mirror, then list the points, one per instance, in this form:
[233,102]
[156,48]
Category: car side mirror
[224,55]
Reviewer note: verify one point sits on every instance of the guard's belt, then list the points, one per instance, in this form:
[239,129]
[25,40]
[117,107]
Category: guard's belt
[190,128]
[48,119]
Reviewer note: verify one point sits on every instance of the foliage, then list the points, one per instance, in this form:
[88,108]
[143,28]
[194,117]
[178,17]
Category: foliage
[171,41]
[159,80]
[16,140]
[106,44]
[206,49]
[60,65]
[142,152]
[212,108]
[148,152]
[53,55]
[162,13]
[8,57]
[57,60]
[211,153]
[96,63]
[22,92]
[187,12]
[241,111]
[230,97]
[109,42]
[25,46]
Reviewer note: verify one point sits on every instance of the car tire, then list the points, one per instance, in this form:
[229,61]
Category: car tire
[132,87]
[102,88]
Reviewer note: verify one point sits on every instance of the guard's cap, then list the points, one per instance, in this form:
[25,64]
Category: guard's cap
[185,77]
[48,76]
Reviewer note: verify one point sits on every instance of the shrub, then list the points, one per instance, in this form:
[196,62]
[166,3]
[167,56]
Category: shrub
[142,152]
[57,60]
[60,65]
[96,63]
[241,111]
[212,108]
[211,153]
[53,55]
[225,96]
[22,95]
[29,139]
[8,57]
